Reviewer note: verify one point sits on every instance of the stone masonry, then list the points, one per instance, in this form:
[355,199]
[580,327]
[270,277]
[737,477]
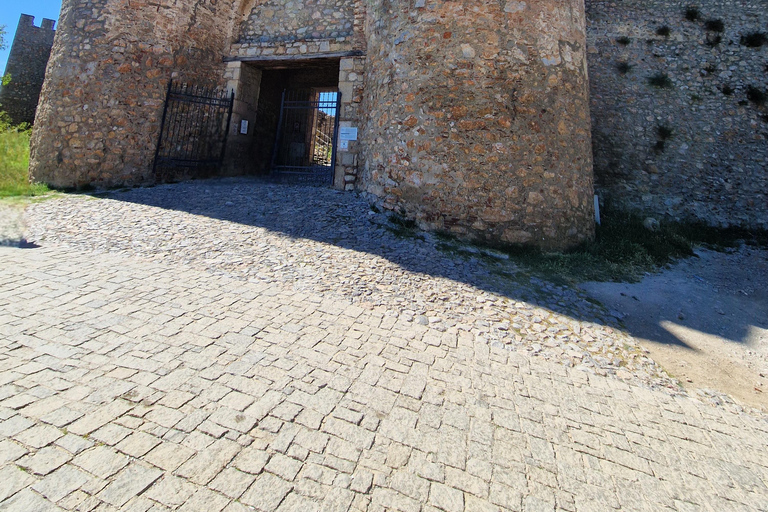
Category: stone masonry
[26,65]
[472,116]
[712,167]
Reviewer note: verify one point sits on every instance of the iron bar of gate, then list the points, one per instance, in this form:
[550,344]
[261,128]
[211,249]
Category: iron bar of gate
[191,127]
[306,118]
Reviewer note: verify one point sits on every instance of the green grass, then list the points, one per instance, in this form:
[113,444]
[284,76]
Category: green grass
[625,250]
[14,162]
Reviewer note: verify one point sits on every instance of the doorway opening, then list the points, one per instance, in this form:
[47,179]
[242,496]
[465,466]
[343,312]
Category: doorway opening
[296,121]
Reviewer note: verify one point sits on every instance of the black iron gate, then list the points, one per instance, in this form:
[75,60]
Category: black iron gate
[307,132]
[193,132]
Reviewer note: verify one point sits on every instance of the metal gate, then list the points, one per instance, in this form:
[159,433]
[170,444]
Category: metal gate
[307,131]
[193,132]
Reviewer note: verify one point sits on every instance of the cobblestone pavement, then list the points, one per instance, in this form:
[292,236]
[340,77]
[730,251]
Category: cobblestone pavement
[331,243]
[130,384]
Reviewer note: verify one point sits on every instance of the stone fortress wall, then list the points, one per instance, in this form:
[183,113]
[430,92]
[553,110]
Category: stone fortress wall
[713,166]
[29,54]
[472,115]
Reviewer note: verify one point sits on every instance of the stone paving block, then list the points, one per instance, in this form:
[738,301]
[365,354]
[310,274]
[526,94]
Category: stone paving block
[12,480]
[45,460]
[14,425]
[61,482]
[74,444]
[171,491]
[28,500]
[10,451]
[284,467]
[129,482]
[99,418]
[251,460]
[204,466]
[205,500]
[232,482]
[101,461]
[137,444]
[267,492]
[169,456]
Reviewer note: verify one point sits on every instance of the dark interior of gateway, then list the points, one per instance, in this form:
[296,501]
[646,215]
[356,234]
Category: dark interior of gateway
[295,120]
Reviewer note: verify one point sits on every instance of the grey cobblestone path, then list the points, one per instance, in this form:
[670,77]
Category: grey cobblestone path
[128,384]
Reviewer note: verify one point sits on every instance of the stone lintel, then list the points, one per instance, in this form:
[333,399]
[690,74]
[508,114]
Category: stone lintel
[272,58]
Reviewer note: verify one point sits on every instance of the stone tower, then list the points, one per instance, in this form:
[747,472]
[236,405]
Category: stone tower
[469,116]
[478,118]
[26,65]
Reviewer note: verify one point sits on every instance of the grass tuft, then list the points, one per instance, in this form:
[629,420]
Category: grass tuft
[623,40]
[663,31]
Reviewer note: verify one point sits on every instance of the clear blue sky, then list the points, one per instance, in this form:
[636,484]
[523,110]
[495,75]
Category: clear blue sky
[11,10]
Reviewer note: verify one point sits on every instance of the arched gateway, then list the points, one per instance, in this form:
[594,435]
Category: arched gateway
[468,116]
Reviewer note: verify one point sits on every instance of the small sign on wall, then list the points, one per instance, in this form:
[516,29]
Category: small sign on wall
[244,126]
[347,133]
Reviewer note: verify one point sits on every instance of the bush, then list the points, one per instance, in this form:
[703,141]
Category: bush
[754,39]
[623,40]
[692,13]
[714,25]
[756,95]
[14,160]
[660,80]
[663,31]
[623,67]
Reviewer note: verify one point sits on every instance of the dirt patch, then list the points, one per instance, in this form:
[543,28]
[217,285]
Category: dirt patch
[704,319]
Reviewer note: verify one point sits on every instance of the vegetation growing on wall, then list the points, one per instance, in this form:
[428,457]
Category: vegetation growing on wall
[14,160]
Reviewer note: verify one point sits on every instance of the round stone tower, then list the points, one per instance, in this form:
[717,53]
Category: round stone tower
[98,116]
[478,118]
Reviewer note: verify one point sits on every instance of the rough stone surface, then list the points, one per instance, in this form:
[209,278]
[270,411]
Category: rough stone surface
[479,119]
[712,167]
[359,405]
[26,66]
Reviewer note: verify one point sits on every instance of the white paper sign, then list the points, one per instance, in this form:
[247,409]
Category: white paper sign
[346,133]
[244,127]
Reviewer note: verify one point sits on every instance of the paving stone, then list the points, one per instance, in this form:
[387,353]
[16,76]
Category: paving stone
[28,500]
[232,482]
[204,466]
[205,500]
[12,480]
[101,461]
[171,491]
[267,492]
[137,444]
[74,444]
[129,482]
[61,482]
[39,436]
[10,451]
[251,460]
[45,460]
[169,456]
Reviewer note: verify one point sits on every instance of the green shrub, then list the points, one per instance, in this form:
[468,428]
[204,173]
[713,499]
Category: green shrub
[14,160]
[660,80]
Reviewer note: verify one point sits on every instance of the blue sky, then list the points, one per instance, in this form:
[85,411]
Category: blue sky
[11,10]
